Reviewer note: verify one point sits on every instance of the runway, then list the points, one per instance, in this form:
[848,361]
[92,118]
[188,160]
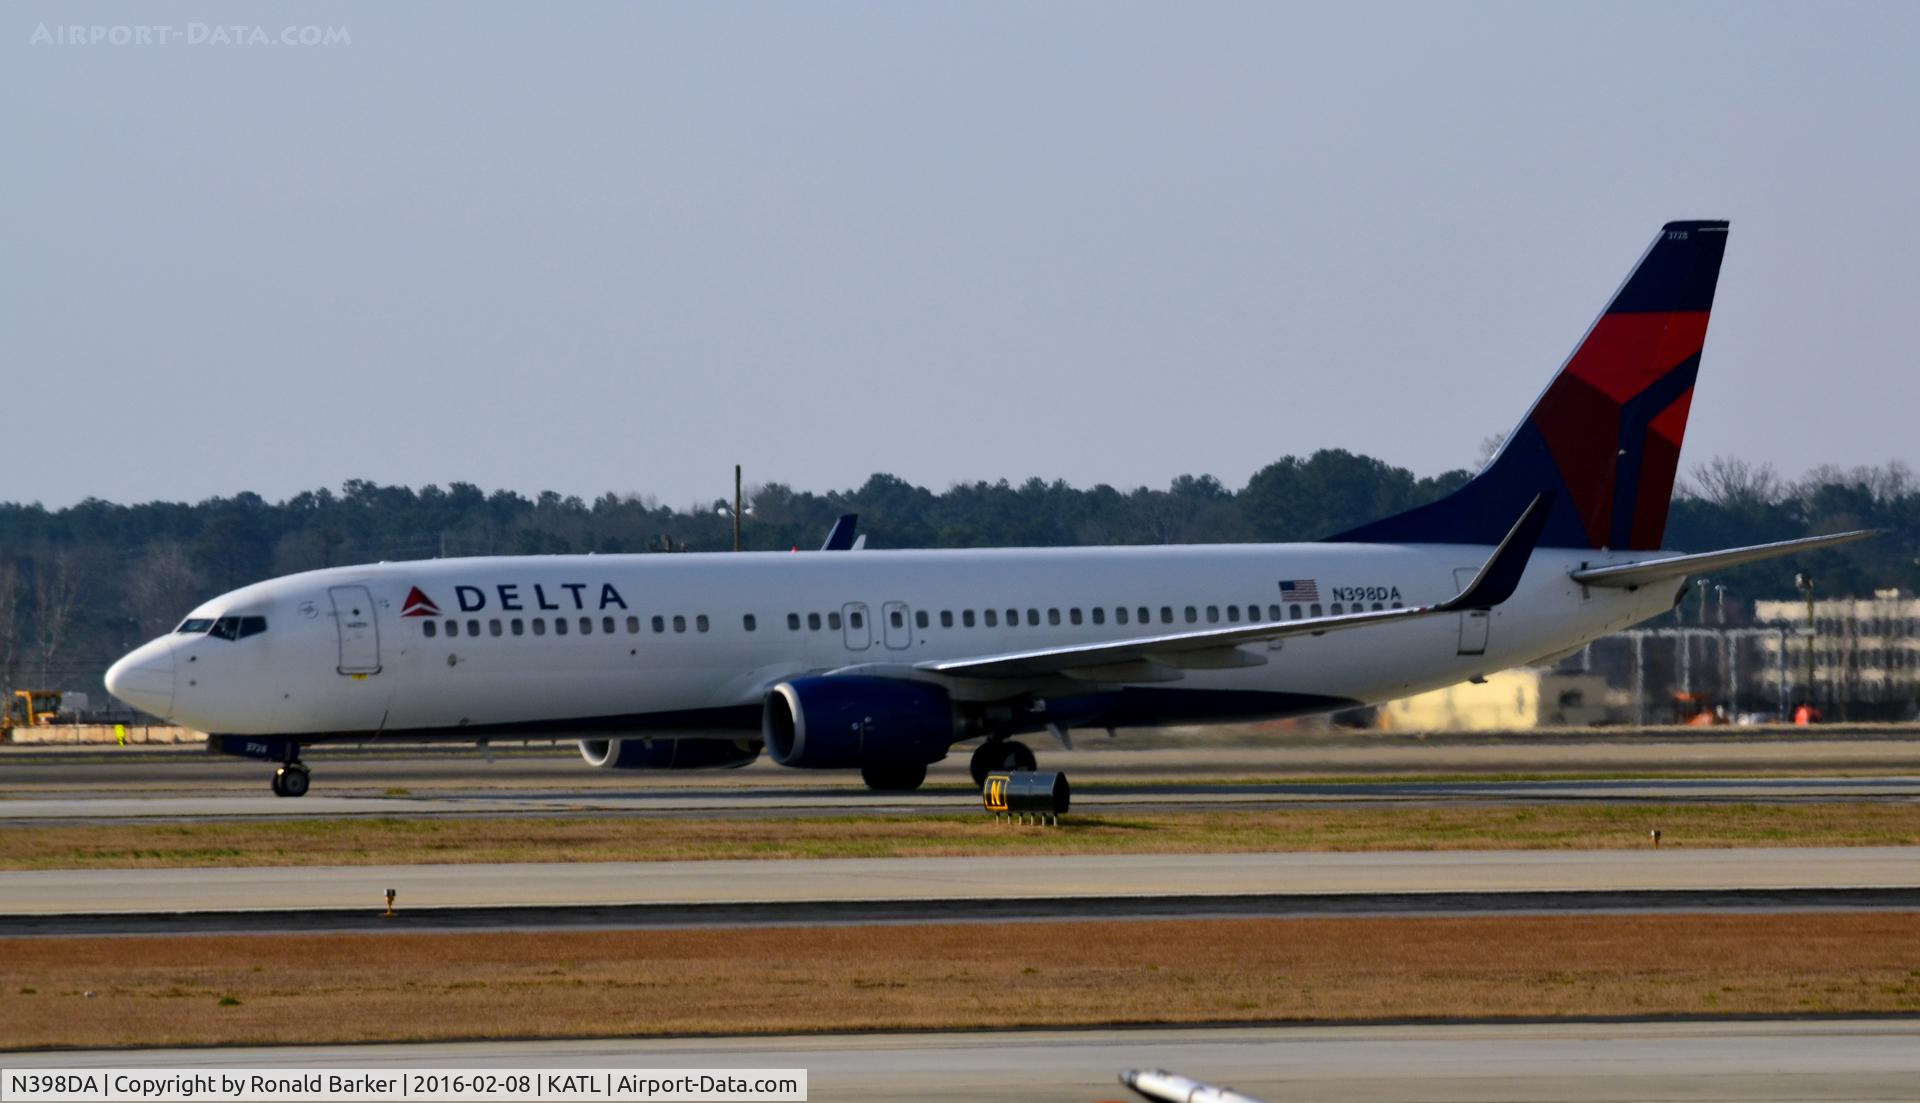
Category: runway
[1631,1062]
[40,785]
[875,880]
[662,802]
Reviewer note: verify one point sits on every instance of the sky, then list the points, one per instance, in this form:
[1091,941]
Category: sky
[622,247]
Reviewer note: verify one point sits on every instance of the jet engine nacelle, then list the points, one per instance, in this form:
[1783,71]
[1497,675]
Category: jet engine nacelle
[669,754]
[835,723]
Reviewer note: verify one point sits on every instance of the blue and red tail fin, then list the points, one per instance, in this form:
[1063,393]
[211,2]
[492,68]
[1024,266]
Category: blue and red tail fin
[1604,438]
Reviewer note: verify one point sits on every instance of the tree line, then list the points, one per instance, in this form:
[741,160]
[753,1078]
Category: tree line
[83,584]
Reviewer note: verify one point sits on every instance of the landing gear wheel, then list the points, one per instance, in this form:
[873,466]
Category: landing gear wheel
[290,780]
[903,778]
[997,755]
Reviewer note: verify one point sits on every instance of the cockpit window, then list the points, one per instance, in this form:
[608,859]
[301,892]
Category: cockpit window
[236,628]
[193,626]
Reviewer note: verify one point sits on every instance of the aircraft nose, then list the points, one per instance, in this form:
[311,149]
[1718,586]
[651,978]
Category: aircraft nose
[144,678]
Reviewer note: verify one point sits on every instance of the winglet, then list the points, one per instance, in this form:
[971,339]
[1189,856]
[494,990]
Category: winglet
[1500,576]
[841,536]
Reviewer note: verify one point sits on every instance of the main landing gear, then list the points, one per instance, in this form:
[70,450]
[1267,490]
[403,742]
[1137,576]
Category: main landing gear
[291,779]
[997,755]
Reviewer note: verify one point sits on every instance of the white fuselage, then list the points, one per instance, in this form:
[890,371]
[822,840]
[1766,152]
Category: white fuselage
[598,644]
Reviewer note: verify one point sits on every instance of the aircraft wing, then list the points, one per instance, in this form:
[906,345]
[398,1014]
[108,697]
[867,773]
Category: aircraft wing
[1161,657]
[1631,575]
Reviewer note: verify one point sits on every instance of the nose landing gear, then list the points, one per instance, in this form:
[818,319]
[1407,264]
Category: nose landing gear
[292,778]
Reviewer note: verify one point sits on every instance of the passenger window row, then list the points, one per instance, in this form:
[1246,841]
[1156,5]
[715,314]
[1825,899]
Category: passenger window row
[562,626]
[1144,615]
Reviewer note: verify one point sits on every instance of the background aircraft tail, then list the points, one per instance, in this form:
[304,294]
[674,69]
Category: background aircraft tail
[1604,439]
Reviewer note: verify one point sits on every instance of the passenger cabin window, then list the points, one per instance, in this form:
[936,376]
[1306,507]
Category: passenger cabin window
[453,628]
[1053,616]
[793,622]
[1013,618]
[1193,615]
[1273,612]
[1033,617]
[539,626]
[559,626]
[1099,615]
[586,626]
[856,620]
[1166,614]
[494,628]
[747,622]
[1316,609]
[700,622]
[429,628]
[1233,614]
[633,627]
[946,618]
[679,623]
[993,618]
[966,618]
[659,624]
[1293,611]
[519,627]
[833,621]
[813,621]
[1336,609]
[473,627]
[606,625]
[1146,615]
[1213,614]
[920,618]
[1120,615]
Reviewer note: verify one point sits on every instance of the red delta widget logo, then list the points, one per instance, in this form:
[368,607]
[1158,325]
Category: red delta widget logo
[418,604]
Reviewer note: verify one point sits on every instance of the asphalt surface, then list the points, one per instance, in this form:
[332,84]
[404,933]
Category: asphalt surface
[854,881]
[1708,1062]
[1073,909]
[108,784]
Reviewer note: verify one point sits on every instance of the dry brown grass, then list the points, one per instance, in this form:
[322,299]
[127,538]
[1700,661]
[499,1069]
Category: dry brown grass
[441,839]
[338,988]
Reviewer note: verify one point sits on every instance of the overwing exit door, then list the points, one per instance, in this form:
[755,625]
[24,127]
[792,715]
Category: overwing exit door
[898,629]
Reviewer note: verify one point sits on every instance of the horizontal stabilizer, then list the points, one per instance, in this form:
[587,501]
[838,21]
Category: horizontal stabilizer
[1631,575]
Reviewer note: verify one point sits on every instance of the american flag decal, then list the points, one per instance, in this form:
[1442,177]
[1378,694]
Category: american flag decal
[1300,589]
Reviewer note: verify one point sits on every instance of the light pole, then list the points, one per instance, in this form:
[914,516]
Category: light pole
[1805,582]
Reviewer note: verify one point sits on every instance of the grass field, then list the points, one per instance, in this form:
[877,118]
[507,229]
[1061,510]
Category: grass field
[580,839]
[341,988]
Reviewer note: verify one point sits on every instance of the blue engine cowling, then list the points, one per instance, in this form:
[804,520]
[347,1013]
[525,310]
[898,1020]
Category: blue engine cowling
[835,723]
[669,754]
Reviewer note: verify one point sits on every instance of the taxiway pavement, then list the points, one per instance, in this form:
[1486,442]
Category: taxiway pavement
[872,880]
[1852,1061]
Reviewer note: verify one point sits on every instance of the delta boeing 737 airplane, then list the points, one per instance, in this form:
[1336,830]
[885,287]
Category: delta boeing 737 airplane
[881,661]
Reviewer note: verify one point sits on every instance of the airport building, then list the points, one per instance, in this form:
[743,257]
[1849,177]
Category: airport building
[1866,652]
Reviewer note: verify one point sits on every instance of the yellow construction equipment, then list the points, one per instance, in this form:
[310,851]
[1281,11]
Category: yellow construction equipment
[31,708]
